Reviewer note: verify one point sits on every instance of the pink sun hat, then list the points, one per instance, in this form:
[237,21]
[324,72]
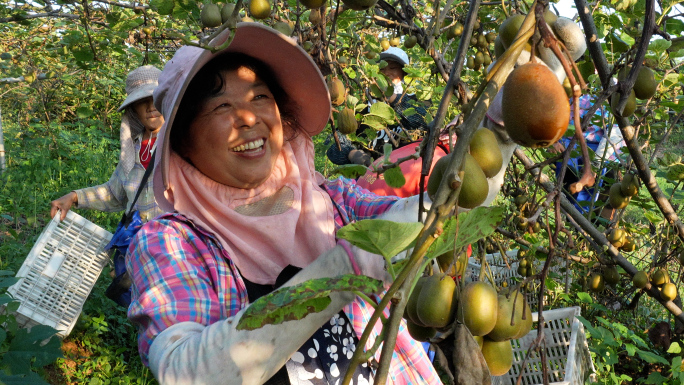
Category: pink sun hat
[293,68]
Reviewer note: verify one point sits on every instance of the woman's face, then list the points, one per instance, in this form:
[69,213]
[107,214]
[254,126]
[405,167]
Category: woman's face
[237,134]
[150,118]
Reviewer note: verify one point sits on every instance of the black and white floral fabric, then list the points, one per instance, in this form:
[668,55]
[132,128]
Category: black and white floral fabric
[325,357]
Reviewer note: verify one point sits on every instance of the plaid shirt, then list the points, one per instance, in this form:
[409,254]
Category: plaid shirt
[188,277]
[115,194]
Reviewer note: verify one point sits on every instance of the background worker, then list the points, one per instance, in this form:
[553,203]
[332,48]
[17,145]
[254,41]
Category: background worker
[140,124]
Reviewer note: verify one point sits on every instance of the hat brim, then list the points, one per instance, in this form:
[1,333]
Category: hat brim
[389,56]
[140,93]
[293,68]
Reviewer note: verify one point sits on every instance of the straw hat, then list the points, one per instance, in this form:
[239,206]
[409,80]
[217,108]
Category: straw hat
[140,84]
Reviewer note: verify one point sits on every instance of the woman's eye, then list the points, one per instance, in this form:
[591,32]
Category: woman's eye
[261,96]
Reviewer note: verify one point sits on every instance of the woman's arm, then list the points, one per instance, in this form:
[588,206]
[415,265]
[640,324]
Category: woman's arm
[199,348]
[109,196]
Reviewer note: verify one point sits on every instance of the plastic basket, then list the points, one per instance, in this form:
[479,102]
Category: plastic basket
[567,352]
[59,273]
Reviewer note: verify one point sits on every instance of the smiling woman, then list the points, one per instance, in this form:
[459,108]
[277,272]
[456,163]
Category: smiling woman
[248,213]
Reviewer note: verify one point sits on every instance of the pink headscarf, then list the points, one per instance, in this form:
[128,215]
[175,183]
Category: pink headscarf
[259,246]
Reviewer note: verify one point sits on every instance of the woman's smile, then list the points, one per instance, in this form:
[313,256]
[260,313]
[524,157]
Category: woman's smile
[250,147]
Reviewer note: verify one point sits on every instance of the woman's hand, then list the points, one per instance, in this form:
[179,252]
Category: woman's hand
[63,204]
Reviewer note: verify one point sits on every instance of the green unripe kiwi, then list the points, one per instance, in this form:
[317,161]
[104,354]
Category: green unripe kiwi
[210,15]
[485,149]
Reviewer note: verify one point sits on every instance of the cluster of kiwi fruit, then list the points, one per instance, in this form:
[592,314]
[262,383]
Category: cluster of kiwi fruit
[621,193]
[621,239]
[483,161]
[645,87]
[526,263]
[480,41]
[660,279]
[494,319]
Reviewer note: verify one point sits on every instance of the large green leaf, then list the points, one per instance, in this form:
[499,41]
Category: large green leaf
[651,358]
[296,302]
[472,226]
[379,236]
[382,110]
[29,345]
[21,379]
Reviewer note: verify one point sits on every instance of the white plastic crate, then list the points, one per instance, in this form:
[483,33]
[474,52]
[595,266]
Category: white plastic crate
[568,358]
[59,273]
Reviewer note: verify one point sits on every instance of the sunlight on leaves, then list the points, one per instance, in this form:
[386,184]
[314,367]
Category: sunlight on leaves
[379,236]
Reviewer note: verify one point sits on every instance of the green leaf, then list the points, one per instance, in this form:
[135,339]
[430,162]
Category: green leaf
[84,55]
[653,216]
[587,325]
[383,110]
[472,226]
[29,346]
[163,7]
[84,112]
[8,281]
[352,171]
[660,45]
[379,236]
[651,358]
[477,224]
[376,122]
[296,302]
[674,348]
[631,349]
[675,172]
[655,378]
[21,379]
[394,177]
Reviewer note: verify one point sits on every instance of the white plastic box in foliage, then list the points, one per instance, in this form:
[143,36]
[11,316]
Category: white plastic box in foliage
[59,273]
[502,272]
[567,353]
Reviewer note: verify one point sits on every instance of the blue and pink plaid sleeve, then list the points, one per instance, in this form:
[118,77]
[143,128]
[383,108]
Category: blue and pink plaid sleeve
[179,275]
[354,203]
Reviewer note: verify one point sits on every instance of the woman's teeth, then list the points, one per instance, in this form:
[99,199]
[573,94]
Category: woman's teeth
[249,146]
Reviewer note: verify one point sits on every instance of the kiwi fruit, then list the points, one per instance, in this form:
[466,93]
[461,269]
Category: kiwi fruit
[260,9]
[478,308]
[640,279]
[485,149]
[474,188]
[410,41]
[436,301]
[338,93]
[346,121]
[571,35]
[210,15]
[534,106]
